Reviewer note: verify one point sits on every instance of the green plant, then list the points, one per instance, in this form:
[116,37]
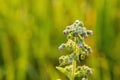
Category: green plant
[71,64]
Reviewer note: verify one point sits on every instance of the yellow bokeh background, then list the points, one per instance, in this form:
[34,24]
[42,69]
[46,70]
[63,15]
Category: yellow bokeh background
[31,31]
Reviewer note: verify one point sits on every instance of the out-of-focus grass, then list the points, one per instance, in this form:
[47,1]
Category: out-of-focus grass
[31,31]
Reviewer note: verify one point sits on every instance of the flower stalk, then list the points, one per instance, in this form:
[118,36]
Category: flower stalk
[76,33]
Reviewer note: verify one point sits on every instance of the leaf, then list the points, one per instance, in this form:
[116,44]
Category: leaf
[64,71]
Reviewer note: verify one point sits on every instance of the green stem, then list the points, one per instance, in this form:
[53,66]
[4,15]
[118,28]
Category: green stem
[73,65]
[73,70]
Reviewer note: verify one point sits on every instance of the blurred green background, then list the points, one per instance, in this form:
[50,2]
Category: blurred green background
[31,31]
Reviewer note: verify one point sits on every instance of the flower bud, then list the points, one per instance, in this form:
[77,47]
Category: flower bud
[79,31]
[90,32]
[61,47]
[61,59]
[77,21]
[81,24]
[89,50]
[69,36]
[65,32]
[84,79]
[85,46]
[85,36]
[75,34]
[66,59]
[82,57]
[70,61]
[80,45]
[68,27]
[90,72]
[84,29]
[79,68]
